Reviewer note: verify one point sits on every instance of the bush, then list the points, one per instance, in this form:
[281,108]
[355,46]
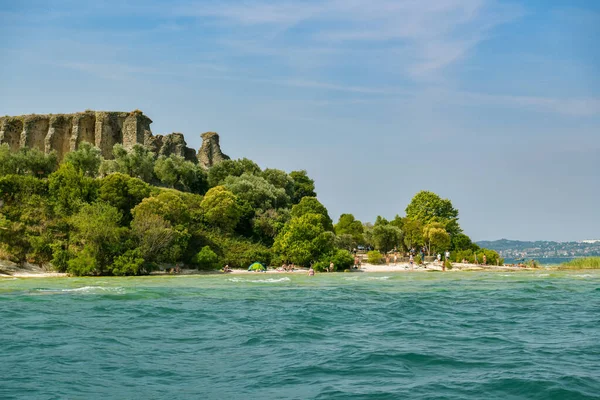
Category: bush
[84,264]
[130,263]
[417,259]
[341,259]
[374,257]
[321,266]
[492,257]
[207,259]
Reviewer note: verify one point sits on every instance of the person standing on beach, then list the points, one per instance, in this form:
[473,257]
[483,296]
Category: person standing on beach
[311,271]
[411,261]
[331,266]
[447,256]
[484,260]
[395,258]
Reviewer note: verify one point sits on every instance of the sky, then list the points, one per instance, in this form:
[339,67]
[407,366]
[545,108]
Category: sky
[492,104]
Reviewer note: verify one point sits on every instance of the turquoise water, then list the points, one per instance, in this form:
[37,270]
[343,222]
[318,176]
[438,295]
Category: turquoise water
[525,335]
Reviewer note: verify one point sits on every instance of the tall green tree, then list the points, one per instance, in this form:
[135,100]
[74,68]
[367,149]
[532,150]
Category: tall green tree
[221,208]
[348,225]
[413,233]
[123,192]
[310,205]
[436,237]
[303,186]
[303,240]
[426,206]
[385,235]
[69,188]
[98,232]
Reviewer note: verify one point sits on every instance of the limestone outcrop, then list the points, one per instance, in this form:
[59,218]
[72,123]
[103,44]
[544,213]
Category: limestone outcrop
[64,132]
[210,153]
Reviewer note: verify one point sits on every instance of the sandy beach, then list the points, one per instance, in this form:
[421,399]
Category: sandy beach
[8,270]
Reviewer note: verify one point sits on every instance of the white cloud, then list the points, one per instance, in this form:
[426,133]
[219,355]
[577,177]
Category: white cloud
[434,34]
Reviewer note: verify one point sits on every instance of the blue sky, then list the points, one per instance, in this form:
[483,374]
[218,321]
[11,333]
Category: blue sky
[493,104]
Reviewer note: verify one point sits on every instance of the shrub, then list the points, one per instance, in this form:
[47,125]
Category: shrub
[84,264]
[321,266]
[130,263]
[417,259]
[207,259]
[341,259]
[374,257]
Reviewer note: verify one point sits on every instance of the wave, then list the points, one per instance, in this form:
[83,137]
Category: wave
[85,289]
[378,278]
[269,280]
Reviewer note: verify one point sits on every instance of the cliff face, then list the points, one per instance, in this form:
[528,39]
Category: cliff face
[63,133]
[210,153]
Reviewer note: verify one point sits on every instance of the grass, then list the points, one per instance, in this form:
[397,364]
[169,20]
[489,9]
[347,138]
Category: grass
[582,263]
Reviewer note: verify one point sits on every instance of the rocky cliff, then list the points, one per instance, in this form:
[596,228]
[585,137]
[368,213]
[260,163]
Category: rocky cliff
[63,133]
[210,153]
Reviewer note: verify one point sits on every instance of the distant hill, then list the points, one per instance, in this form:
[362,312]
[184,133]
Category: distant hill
[541,249]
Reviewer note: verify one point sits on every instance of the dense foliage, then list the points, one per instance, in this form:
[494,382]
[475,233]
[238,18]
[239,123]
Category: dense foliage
[138,212]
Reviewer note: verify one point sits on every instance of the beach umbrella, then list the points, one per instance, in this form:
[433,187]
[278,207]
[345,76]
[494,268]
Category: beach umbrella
[256,266]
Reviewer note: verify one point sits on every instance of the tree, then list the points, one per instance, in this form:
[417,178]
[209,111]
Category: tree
[303,186]
[219,172]
[137,163]
[97,229]
[206,258]
[413,232]
[129,263]
[86,159]
[221,208]
[69,189]
[29,161]
[428,206]
[257,191]
[279,179]
[348,225]
[267,224]
[304,240]
[168,204]
[462,242]
[178,173]
[387,237]
[310,205]
[123,192]
[436,237]
[153,235]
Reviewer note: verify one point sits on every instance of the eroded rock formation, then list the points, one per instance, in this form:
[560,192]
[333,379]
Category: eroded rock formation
[210,153]
[64,132]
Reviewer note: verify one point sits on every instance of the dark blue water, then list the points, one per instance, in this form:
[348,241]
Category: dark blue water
[526,335]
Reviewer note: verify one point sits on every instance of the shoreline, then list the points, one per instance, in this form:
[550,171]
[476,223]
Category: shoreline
[365,268]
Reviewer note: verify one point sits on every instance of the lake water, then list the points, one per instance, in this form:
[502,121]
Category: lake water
[458,335]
